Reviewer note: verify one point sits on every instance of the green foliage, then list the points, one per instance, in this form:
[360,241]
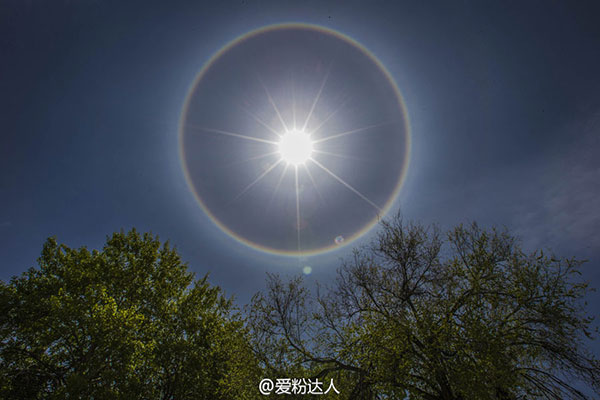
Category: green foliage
[415,315]
[127,322]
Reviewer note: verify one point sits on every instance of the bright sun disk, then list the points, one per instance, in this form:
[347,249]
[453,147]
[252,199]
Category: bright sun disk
[295,147]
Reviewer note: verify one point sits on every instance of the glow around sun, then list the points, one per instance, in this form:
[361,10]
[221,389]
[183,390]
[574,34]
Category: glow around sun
[294,140]
[295,147]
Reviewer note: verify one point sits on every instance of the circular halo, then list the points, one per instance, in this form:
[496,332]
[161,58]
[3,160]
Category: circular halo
[203,125]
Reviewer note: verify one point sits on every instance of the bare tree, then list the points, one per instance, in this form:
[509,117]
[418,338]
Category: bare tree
[421,315]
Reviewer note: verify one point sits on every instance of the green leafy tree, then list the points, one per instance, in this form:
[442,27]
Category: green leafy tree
[127,322]
[418,315]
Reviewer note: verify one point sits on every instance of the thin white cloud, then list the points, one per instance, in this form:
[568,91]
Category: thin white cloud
[567,195]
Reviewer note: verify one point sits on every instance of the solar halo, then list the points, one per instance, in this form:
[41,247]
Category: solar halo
[294,139]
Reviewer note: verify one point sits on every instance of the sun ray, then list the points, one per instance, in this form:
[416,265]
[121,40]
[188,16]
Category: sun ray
[314,183]
[340,180]
[256,180]
[297,207]
[312,108]
[329,153]
[337,135]
[331,114]
[277,186]
[245,160]
[260,121]
[293,101]
[233,134]
[273,104]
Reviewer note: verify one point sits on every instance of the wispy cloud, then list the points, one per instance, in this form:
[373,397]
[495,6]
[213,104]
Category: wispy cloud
[565,211]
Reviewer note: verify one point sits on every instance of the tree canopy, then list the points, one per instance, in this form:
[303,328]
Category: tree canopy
[416,314]
[126,322]
[422,315]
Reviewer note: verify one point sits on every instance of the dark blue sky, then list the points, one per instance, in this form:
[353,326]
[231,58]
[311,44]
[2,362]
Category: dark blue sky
[503,99]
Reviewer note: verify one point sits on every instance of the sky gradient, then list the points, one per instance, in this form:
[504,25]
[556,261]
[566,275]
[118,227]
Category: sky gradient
[503,101]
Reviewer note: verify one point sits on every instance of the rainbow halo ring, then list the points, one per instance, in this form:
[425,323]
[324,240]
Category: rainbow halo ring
[294,139]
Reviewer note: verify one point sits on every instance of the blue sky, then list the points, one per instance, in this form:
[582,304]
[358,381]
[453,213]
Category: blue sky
[503,101]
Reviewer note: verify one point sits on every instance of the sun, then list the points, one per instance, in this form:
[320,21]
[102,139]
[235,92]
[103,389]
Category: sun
[295,147]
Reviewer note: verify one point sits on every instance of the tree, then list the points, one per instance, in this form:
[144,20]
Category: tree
[127,322]
[422,316]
